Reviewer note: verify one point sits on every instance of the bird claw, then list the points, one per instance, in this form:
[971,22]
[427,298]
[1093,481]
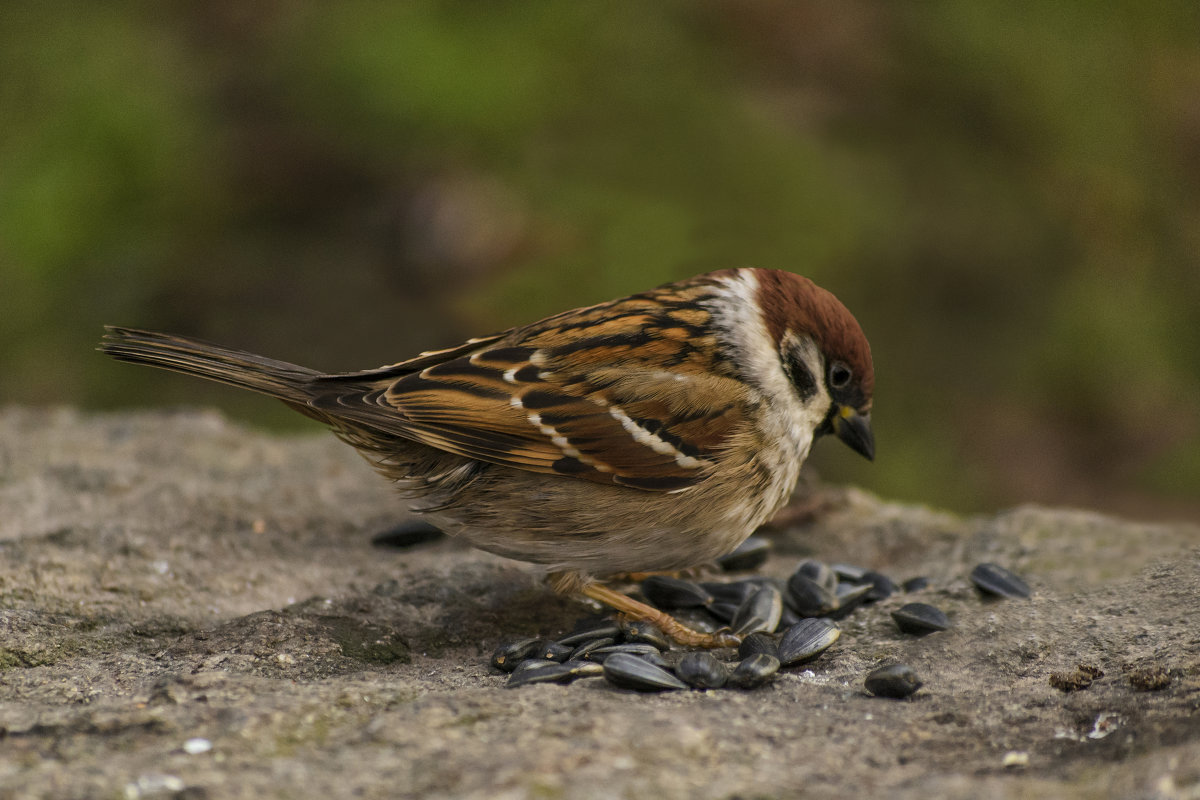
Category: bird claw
[670,626]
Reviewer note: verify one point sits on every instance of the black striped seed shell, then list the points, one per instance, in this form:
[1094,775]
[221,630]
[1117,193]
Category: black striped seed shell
[663,591]
[806,640]
[895,680]
[511,653]
[920,619]
[630,672]
[754,671]
[760,613]
[808,598]
[995,580]
[757,643]
[702,670]
[554,673]
[750,554]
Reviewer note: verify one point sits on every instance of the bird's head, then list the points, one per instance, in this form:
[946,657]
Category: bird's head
[823,351]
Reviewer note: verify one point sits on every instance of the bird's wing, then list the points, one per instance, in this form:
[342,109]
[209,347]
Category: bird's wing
[623,393]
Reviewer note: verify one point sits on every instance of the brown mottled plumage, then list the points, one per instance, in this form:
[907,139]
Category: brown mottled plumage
[651,432]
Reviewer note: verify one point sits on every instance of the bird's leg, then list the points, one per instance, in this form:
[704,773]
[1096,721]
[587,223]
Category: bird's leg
[638,577]
[575,583]
[664,621]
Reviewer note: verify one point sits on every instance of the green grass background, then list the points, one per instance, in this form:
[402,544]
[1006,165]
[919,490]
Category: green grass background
[1007,195]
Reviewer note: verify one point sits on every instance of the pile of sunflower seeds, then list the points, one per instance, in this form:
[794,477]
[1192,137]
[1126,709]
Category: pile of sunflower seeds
[782,624]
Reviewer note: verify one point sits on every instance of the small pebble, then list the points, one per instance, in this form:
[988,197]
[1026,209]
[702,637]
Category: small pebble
[1077,679]
[1149,679]
[196,746]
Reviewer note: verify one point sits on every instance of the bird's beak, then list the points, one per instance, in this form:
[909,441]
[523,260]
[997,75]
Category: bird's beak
[855,430]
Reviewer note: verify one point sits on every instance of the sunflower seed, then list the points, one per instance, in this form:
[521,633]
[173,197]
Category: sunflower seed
[588,629]
[645,633]
[808,598]
[754,671]
[849,597]
[662,591]
[850,572]
[757,643]
[723,611]
[895,680]
[882,587]
[920,619]
[587,648]
[702,670]
[734,592]
[750,554]
[533,665]
[553,673]
[553,651]
[806,640]
[760,613]
[628,648]
[818,572]
[995,580]
[509,654]
[630,672]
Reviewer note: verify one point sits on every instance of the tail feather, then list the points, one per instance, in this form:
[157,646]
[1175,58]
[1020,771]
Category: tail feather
[288,382]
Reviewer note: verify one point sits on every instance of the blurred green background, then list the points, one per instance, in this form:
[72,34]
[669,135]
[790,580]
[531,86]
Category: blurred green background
[1006,194]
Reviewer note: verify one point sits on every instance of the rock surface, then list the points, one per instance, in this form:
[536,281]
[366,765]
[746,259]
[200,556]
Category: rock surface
[190,609]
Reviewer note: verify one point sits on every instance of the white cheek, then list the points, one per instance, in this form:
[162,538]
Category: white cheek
[741,322]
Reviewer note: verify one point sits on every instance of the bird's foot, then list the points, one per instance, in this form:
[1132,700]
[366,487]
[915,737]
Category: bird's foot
[637,577]
[670,626]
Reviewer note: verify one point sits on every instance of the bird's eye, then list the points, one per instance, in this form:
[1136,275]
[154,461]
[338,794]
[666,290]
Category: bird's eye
[839,375]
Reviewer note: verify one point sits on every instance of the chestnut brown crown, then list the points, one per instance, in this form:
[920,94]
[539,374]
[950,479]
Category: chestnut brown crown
[794,303]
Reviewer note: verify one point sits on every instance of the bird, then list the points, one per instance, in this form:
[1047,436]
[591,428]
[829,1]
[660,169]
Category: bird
[651,433]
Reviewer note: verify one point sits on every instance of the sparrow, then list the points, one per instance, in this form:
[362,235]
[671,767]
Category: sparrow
[650,433]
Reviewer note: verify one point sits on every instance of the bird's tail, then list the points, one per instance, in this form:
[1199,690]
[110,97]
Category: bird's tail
[288,382]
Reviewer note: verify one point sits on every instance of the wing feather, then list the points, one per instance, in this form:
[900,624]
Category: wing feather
[628,392]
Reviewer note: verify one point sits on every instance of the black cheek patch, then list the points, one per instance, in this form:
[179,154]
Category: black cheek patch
[802,379]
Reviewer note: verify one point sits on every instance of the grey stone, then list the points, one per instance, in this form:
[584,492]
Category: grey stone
[166,577]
